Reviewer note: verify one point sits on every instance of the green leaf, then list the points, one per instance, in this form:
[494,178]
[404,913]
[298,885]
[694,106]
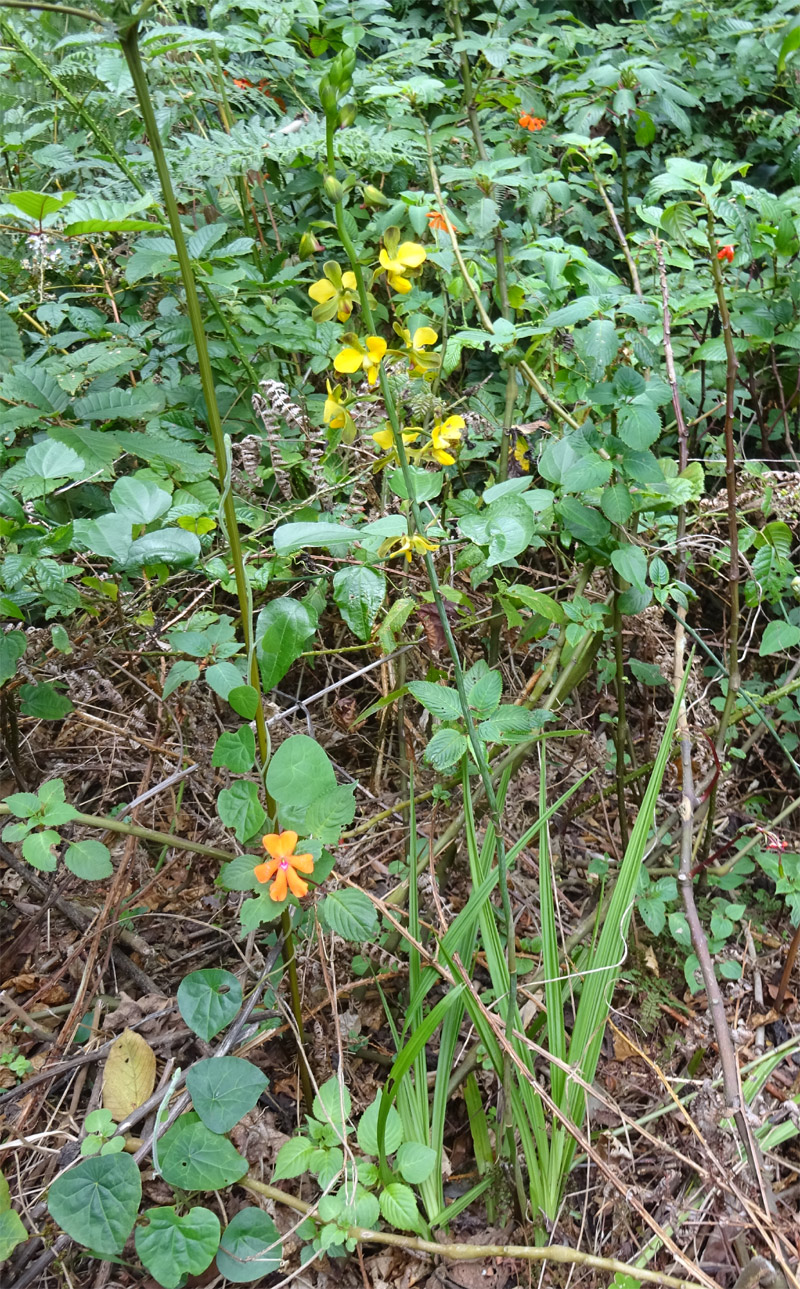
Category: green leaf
[350,914]
[791,42]
[209,1000]
[44,701]
[291,538]
[367,1132]
[37,849]
[12,647]
[639,424]
[193,1158]
[486,693]
[299,772]
[598,342]
[778,636]
[180,673]
[616,503]
[240,809]
[647,673]
[294,1158]
[140,500]
[90,860]
[538,602]
[415,1162]
[576,311]
[482,216]
[223,1089]
[96,1202]
[244,701]
[134,404]
[443,702]
[359,592]
[631,563]
[446,749]
[583,522]
[171,546]
[11,350]
[333,1103]
[172,1246]
[506,527]
[49,460]
[235,750]
[329,815]
[282,629]
[36,205]
[34,385]
[238,875]
[12,1233]
[250,1247]
[222,677]
[399,1207]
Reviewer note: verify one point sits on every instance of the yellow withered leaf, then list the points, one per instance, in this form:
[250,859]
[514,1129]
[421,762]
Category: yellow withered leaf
[129,1076]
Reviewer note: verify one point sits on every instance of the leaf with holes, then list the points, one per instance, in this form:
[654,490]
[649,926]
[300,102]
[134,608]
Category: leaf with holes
[96,1203]
[193,1158]
[208,1000]
[223,1089]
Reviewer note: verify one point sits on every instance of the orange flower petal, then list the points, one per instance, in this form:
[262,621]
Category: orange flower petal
[296,884]
[277,890]
[279,845]
[303,863]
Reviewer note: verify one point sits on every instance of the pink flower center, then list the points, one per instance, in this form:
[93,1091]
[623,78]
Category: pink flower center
[284,864]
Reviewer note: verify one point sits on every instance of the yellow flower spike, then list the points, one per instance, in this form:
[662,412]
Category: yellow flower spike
[356,357]
[446,435]
[336,415]
[334,293]
[400,261]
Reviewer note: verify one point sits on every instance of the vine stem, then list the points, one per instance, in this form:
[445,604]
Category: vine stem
[478,750]
[472,1252]
[128,35]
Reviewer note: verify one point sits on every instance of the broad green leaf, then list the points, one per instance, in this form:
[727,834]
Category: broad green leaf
[50,460]
[180,673]
[168,546]
[778,636]
[290,538]
[294,1158]
[598,342]
[223,1089]
[329,815]
[37,205]
[576,311]
[616,503]
[583,522]
[367,1132]
[193,1158]
[631,563]
[88,859]
[299,772]
[505,527]
[486,693]
[446,749]
[250,1247]
[791,42]
[222,677]
[12,647]
[37,848]
[135,404]
[350,914]
[283,628]
[239,808]
[399,1207]
[244,701]
[209,1000]
[638,424]
[538,602]
[443,702]
[140,500]
[332,1102]
[647,673]
[235,750]
[97,1202]
[415,1161]
[12,1232]
[34,385]
[172,1246]
[359,592]
[238,875]
[44,701]
[11,350]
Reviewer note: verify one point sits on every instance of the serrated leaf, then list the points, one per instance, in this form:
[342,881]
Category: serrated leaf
[294,1158]
[129,1075]
[329,814]
[37,849]
[443,702]
[446,749]
[135,404]
[616,503]
[11,350]
[415,1161]
[350,914]
[88,859]
[399,1207]
[367,1132]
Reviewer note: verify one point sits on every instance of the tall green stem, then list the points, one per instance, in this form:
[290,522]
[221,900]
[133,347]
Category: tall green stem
[129,40]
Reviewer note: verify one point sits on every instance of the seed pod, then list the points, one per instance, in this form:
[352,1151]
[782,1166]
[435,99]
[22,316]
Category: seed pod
[373,196]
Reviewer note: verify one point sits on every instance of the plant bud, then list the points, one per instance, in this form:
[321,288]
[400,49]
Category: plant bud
[373,196]
[347,114]
[333,188]
[308,246]
[328,95]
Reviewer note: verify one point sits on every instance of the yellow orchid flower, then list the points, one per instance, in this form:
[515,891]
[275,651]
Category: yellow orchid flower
[522,454]
[333,293]
[444,436]
[400,261]
[356,357]
[406,545]
[336,415]
[414,348]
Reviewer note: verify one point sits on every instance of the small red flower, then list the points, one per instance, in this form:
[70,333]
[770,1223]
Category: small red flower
[283,866]
[725,253]
[532,123]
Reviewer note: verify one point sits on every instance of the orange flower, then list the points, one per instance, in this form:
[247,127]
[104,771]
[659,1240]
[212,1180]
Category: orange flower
[437,222]
[283,866]
[532,123]
[726,253]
